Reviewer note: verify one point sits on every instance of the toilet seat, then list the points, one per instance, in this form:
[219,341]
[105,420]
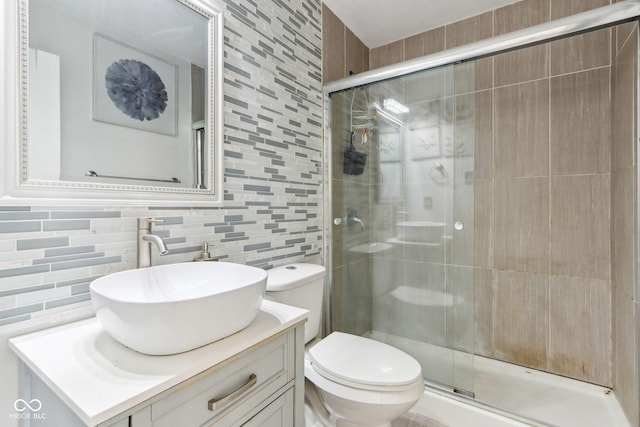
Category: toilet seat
[363,363]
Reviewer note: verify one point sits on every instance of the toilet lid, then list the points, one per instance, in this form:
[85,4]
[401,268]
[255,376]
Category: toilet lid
[350,359]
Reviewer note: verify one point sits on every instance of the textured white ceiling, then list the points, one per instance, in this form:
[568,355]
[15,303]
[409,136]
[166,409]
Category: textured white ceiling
[378,22]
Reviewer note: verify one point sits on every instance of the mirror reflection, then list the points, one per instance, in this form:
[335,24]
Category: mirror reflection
[117,93]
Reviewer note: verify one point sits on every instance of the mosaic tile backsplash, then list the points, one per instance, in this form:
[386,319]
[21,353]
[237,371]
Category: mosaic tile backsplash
[272,212]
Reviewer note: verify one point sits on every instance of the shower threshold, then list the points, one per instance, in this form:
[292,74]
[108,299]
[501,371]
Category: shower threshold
[506,394]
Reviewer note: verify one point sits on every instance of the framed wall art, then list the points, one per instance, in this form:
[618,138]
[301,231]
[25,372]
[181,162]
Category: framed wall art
[132,88]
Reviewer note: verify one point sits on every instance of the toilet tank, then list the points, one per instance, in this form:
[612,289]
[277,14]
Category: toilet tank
[300,285]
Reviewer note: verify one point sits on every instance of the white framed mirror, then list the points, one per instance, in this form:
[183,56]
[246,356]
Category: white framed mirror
[112,99]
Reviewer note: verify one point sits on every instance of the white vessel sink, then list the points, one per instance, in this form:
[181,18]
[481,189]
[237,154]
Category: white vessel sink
[174,308]
[420,231]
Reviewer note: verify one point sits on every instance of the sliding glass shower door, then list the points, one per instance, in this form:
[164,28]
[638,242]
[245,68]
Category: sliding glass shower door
[403,191]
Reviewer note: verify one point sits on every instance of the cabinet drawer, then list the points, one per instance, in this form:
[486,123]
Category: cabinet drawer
[228,386]
[278,413]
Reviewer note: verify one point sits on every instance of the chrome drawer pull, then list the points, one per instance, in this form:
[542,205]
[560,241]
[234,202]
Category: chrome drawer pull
[215,404]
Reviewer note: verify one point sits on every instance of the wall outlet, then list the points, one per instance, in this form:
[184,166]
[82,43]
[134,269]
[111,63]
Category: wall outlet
[428,202]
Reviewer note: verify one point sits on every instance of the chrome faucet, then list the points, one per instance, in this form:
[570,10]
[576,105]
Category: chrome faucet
[145,238]
[352,219]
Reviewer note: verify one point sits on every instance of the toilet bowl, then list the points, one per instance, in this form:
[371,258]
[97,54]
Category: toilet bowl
[363,382]
[359,381]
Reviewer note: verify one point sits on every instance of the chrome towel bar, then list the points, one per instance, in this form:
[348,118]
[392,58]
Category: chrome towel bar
[94,174]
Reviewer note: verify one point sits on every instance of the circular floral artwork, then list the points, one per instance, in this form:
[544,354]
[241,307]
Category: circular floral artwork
[136,89]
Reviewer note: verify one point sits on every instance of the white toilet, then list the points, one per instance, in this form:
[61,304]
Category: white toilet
[361,382]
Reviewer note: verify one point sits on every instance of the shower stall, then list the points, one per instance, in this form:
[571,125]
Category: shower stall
[482,208]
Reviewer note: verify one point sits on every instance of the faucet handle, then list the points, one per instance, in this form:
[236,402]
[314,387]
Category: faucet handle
[145,223]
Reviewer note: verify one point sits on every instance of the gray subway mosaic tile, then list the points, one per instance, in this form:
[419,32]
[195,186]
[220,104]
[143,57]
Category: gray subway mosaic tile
[26,290]
[21,271]
[272,141]
[20,227]
[238,234]
[257,139]
[237,102]
[253,123]
[170,208]
[85,214]
[185,250]
[15,208]
[64,258]
[85,280]
[85,263]
[263,131]
[265,118]
[16,319]
[294,241]
[256,246]
[259,188]
[67,301]
[296,191]
[266,152]
[230,171]
[169,220]
[55,252]
[237,70]
[175,240]
[80,289]
[277,144]
[62,225]
[47,242]
[11,312]
[259,51]
[233,154]
[233,239]
[266,91]
[22,215]
[242,141]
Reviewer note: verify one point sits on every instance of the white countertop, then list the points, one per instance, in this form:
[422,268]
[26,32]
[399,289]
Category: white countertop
[99,378]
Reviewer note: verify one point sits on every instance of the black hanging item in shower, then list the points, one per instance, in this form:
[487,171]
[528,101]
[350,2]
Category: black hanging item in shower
[353,161]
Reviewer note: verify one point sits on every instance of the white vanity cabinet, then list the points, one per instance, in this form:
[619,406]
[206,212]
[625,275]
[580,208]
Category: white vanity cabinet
[232,394]
[252,378]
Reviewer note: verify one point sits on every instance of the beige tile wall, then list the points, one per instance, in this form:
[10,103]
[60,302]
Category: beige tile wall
[333,46]
[342,51]
[624,229]
[521,136]
[555,245]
